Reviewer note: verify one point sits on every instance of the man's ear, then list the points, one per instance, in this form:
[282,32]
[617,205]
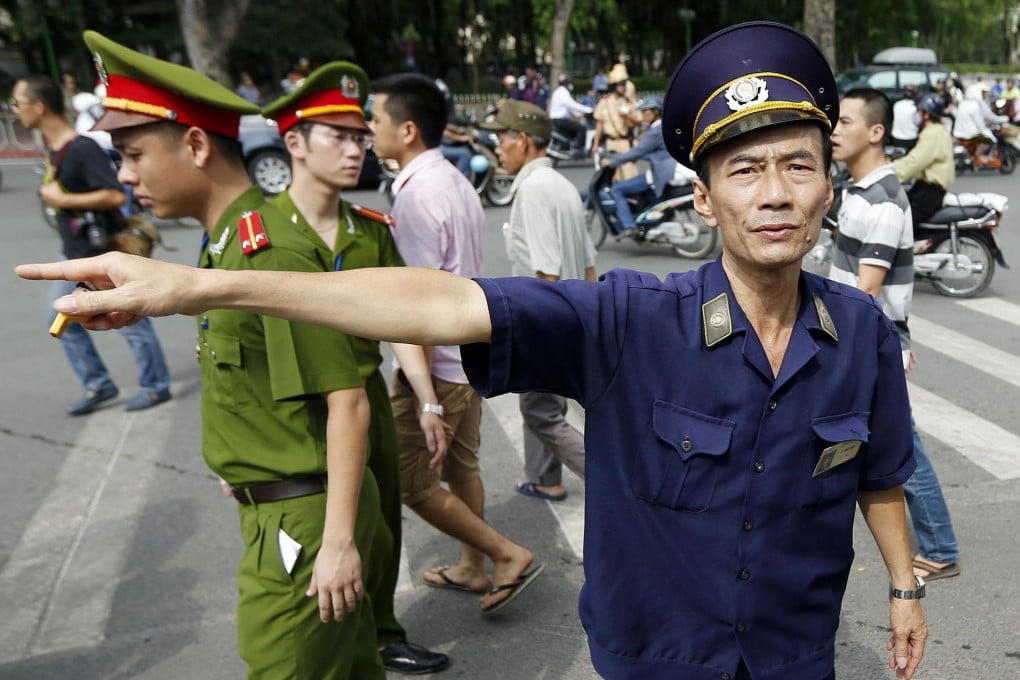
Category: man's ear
[294,141]
[703,203]
[877,133]
[409,133]
[200,146]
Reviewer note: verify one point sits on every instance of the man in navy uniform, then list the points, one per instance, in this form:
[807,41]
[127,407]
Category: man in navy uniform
[736,413]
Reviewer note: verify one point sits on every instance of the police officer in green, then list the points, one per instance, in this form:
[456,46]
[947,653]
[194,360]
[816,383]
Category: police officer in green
[284,412]
[323,126]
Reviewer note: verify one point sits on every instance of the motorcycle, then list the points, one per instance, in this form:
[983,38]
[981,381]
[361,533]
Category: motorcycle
[669,221]
[954,249]
[560,148]
[1003,156]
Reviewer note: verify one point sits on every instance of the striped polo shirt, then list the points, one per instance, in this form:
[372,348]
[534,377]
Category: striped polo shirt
[875,228]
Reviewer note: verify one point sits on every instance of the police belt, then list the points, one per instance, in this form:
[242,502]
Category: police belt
[278,491]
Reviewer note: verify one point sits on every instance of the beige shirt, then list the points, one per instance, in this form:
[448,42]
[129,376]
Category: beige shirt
[618,115]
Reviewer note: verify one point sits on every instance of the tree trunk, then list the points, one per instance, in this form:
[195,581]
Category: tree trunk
[558,38]
[207,36]
[820,25]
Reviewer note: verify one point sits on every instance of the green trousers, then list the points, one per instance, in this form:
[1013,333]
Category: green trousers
[382,563]
[279,633]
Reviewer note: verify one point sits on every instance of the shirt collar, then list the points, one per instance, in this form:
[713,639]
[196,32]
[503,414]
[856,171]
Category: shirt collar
[530,167]
[875,175]
[422,160]
[722,317]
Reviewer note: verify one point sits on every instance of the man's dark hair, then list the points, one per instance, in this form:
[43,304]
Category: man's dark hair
[877,108]
[45,90]
[702,169]
[415,98]
[227,147]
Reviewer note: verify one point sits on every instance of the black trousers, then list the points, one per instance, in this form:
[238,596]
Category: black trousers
[925,200]
[572,128]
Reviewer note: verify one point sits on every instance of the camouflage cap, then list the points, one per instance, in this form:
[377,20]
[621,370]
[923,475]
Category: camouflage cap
[141,89]
[333,94]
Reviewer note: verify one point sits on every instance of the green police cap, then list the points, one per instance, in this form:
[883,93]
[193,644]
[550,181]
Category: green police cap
[333,94]
[141,89]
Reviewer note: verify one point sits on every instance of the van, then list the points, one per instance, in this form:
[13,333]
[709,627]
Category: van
[893,69]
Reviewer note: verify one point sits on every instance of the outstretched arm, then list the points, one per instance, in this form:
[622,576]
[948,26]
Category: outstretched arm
[398,304]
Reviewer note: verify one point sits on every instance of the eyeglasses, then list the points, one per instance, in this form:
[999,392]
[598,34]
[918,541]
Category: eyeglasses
[338,137]
[15,104]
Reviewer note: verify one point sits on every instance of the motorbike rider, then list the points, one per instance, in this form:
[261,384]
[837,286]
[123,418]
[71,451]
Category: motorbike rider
[456,141]
[652,147]
[904,129]
[973,116]
[564,111]
[929,163]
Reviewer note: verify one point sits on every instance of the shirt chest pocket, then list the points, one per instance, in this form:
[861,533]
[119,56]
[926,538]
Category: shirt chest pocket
[224,380]
[836,456]
[680,468]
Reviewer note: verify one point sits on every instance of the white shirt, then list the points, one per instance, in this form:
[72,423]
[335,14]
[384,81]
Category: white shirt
[563,105]
[903,126]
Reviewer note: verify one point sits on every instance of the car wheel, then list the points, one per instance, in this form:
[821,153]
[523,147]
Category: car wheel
[270,170]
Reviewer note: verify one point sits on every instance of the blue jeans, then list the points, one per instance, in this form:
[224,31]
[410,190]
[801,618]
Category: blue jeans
[459,154]
[621,190]
[153,374]
[928,511]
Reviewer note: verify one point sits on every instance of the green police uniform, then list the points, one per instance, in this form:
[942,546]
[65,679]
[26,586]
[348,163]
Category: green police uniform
[366,242]
[335,94]
[264,420]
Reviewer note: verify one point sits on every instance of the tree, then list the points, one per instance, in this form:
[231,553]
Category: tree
[562,10]
[209,27]
[820,25]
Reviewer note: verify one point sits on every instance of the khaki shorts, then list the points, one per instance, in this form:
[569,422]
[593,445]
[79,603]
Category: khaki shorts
[463,412]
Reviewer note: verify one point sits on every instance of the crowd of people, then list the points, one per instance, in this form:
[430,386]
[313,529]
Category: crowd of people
[712,472]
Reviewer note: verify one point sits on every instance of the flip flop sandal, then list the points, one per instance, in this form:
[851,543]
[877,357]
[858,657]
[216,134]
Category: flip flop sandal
[934,572]
[515,588]
[531,489]
[448,583]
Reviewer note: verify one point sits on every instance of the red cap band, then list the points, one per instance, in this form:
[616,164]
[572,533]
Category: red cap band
[125,94]
[319,103]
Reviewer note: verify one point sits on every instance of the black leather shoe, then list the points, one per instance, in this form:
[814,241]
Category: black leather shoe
[411,659]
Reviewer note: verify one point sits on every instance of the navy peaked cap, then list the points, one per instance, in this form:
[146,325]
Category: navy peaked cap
[743,78]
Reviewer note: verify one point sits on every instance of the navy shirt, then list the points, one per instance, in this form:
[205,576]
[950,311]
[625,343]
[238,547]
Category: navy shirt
[707,539]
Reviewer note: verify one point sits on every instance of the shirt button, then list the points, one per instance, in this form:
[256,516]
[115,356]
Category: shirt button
[759,466]
[773,405]
[741,628]
[744,574]
[213,354]
[686,445]
[748,525]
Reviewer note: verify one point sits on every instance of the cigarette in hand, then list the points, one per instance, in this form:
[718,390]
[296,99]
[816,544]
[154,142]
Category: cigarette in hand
[60,323]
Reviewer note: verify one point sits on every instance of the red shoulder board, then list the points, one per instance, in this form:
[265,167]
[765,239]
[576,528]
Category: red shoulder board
[373,215]
[251,233]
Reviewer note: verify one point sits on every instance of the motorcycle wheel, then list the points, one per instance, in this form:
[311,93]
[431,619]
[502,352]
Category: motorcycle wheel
[707,237]
[498,191]
[1007,159]
[596,229]
[975,282]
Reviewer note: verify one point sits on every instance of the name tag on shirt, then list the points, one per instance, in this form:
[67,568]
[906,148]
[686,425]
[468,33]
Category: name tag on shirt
[837,454]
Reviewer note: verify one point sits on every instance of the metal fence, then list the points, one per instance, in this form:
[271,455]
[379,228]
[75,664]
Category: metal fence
[18,145]
[477,103]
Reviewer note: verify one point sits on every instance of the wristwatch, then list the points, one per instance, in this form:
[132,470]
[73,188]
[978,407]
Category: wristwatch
[908,594]
[433,408]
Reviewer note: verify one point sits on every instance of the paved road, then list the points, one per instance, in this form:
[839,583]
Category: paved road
[117,552]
